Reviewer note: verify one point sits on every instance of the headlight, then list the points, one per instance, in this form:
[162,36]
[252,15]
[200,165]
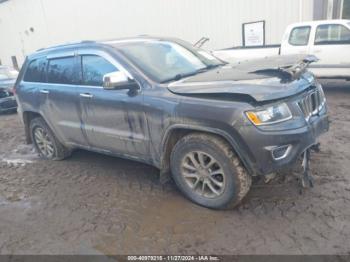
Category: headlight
[270,115]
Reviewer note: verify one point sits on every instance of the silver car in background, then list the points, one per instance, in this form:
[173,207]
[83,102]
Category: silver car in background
[8,76]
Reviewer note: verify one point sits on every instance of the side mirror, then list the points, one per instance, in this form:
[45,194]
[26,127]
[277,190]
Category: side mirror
[117,81]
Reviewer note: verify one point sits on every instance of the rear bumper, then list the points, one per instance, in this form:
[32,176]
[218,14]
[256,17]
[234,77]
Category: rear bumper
[8,104]
[291,143]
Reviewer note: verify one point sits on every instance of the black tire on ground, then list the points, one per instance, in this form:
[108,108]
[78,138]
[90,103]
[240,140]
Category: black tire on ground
[60,152]
[234,180]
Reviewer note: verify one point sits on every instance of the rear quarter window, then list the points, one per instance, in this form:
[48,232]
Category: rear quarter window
[332,34]
[36,71]
[299,36]
[62,71]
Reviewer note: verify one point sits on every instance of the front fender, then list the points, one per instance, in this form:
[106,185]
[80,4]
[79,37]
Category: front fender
[242,154]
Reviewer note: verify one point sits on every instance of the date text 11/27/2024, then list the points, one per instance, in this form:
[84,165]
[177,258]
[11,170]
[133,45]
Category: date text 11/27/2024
[173,258]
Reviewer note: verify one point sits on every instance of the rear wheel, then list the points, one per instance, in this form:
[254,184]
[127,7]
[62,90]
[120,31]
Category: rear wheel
[45,142]
[208,172]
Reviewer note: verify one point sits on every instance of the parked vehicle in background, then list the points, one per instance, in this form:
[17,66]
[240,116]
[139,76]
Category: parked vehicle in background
[8,78]
[163,102]
[328,40]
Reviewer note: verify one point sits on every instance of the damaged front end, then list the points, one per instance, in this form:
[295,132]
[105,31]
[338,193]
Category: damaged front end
[283,113]
[289,69]
[312,106]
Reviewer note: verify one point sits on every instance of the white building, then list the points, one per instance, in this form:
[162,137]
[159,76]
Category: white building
[27,25]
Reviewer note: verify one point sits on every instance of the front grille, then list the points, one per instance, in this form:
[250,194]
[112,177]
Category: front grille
[312,103]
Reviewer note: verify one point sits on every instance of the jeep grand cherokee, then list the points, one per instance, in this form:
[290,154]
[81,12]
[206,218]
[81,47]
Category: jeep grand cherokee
[161,101]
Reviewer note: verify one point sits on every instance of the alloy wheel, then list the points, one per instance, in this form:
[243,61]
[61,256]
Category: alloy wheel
[203,174]
[44,143]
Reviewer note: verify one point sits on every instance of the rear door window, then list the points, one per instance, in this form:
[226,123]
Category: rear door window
[332,34]
[300,36]
[94,68]
[62,71]
[36,71]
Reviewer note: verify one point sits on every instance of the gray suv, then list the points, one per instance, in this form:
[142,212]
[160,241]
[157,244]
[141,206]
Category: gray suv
[209,125]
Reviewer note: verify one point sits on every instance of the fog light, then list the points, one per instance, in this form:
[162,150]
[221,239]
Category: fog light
[281,152]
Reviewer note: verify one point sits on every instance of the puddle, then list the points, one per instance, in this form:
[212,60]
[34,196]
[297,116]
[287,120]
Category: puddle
[19,203]
[16,162]
[3,201]
[20,156]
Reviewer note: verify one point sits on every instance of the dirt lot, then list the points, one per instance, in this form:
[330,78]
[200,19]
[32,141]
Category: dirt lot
[95,204]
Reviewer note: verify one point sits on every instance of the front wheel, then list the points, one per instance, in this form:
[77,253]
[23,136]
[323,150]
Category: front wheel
[208,172]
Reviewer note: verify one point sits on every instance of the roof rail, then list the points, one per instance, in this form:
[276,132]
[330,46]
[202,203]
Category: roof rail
[67,44]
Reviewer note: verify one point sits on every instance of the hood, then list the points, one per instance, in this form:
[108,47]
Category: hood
[262,80]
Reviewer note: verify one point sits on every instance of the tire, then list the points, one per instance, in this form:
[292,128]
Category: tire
[228,179]
[56,149]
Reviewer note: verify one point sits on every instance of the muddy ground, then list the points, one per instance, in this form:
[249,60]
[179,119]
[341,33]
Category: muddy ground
[93,204]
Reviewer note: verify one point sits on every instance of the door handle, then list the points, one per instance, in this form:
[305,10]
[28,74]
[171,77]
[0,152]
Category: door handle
[44,91]
[86,95]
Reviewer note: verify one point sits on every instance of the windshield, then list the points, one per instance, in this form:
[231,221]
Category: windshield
[164,61]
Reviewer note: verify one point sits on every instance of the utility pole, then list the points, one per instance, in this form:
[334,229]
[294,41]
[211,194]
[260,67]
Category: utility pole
[330,9]
[341,9]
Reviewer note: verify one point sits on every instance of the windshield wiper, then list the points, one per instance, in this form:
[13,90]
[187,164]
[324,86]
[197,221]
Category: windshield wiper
[201,70]
[208,67]
[179,77]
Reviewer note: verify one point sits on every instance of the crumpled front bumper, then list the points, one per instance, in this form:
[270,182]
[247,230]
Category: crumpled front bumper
[294,141]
